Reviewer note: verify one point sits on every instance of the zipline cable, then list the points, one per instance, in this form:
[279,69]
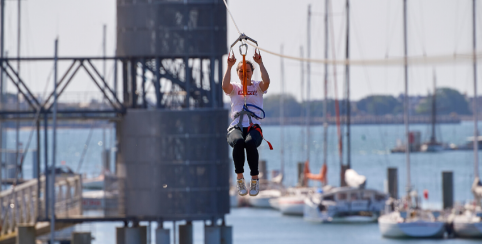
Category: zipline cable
[414,60]
[231,15]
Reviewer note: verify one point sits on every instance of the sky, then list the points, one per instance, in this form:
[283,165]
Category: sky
[435,27]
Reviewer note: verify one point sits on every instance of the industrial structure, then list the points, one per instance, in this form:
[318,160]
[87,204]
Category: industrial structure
[172,160]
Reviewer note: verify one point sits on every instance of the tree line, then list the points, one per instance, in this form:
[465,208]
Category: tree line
[448,101]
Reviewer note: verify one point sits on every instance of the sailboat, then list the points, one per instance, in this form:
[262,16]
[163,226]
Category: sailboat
[468,221]
[350,202]
[407,219]
[433,145]
[292,202]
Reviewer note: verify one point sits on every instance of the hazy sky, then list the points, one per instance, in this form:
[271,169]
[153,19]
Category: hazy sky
[434,27]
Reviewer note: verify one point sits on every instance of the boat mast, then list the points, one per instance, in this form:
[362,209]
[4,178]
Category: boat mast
[301,93]
[405,101]
[434,109]
[325,107]
[282,118]
[17,123]
[2,45]
[476,145]
[347,77]
[308,86]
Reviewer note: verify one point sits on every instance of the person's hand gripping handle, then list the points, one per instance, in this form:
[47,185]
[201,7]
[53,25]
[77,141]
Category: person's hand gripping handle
[231,60]
[257,57]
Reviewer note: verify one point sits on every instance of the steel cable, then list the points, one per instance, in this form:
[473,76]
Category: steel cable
[414,60]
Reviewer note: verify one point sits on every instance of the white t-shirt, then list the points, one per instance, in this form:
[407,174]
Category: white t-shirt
[255,97]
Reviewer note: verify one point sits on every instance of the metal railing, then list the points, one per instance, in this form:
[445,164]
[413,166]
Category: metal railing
[25,203]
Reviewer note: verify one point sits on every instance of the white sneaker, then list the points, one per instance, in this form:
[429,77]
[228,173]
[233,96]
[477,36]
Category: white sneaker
[254,187]
[242,191]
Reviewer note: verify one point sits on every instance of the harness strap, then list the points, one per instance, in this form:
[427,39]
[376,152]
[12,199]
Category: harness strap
[241,115]
[251,125]
[258,128]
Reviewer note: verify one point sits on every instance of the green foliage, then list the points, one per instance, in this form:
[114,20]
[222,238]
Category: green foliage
[271,106]
[379,105]
[294,109]
[447,101]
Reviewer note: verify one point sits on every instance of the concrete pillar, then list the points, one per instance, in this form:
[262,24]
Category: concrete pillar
[447,189]
[131,235]
[163,236]
[10,165]
[120,235]
[105,155]
[263,169]
[392,177]
[25,234]
[300,166]
[35,163]
[212,234]
[81,238]
[226,234]
[186,233]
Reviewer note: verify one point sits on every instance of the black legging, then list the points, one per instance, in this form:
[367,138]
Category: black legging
[239,141]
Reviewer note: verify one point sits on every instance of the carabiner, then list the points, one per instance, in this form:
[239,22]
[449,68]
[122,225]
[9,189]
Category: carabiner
[245,49]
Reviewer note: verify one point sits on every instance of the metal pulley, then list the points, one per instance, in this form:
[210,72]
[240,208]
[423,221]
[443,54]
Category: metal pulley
[244,38]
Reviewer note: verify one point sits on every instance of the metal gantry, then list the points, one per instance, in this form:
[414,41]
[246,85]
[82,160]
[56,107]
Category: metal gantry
[177,83]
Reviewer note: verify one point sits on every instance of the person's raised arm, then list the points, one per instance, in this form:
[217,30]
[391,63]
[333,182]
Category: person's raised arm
[227,87]
[264,84]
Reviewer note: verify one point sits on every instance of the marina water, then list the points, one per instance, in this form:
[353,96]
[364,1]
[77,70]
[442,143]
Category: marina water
[370,157]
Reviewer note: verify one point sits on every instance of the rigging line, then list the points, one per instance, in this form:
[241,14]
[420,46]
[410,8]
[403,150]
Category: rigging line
[367,79]
[37,115]
[342,32]
[387,31]
[413,26]
[35,120]
[455,25]
[231,15]
[393,29]
[335,81]
[461,29]
[86,146]
[422,26]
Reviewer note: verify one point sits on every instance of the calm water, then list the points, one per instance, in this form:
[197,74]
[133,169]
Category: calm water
[370,157]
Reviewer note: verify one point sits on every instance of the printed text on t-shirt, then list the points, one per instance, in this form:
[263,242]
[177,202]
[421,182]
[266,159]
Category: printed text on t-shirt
[250,93]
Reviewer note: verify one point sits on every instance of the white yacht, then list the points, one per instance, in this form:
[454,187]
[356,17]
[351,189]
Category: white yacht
[293,203]
[262,200]
[345,204]
[352,203]
[408,220]
[411,223]
[467,222]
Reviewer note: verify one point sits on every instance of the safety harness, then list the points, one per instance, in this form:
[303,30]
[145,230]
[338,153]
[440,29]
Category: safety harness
[243,50]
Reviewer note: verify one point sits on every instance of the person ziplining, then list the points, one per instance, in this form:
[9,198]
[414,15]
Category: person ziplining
[245,132]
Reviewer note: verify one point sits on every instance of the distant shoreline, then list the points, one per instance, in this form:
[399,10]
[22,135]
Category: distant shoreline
[369,119]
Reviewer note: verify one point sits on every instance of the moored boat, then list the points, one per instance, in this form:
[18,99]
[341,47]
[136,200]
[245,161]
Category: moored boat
[293,203]
[262,200]
[467,221]
[350,204]
[411,224]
